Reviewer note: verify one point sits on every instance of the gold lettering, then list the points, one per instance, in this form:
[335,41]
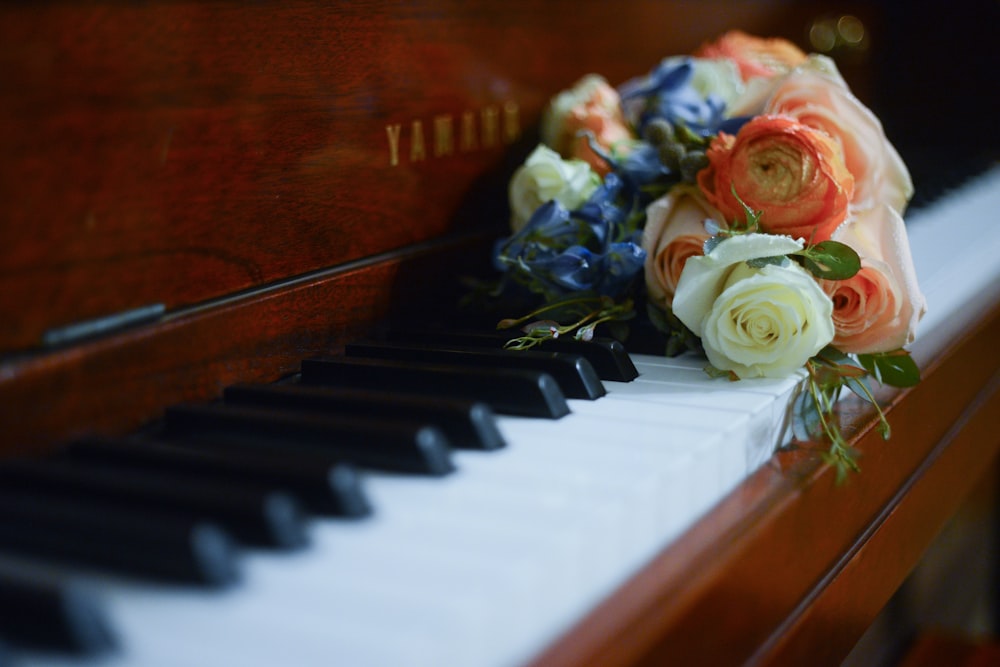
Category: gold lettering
[417,151]
[444,141]
[392,132]
[467,142]
[511,122]
[490,122]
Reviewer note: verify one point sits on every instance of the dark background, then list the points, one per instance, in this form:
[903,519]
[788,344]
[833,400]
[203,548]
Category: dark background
[937,70]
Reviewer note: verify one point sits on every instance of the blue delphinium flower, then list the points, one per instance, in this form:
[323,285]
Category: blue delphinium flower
[588,250]
[667,92]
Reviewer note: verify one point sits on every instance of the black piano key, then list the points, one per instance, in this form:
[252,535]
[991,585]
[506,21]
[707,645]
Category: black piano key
[467,424]
[332,489]
[52,615]
[117,538]
[510,391]
[255,516]
[386,444]
[574,374]
[608,357]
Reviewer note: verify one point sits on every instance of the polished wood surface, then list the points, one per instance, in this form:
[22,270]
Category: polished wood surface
[792,568]
[176,152]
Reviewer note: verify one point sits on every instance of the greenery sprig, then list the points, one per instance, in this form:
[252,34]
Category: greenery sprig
[830,372]
[586,313]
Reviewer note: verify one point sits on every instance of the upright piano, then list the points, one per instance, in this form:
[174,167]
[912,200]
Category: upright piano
[196,196]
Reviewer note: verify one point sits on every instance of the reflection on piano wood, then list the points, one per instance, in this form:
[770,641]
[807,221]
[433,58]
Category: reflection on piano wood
[239,177]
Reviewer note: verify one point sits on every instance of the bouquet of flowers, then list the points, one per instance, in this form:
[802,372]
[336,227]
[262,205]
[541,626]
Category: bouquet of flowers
[745,202]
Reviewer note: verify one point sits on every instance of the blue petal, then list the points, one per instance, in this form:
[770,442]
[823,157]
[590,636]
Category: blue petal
[623,262]
[576,268]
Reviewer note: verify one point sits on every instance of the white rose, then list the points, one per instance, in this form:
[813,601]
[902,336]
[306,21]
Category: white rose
[717,76]
[763,322]
[545,176]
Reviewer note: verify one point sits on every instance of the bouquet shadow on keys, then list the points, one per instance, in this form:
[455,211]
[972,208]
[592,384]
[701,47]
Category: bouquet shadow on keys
[739,203]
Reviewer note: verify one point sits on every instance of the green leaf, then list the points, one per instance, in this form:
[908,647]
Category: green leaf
[896,368]
[752,216]
[831,260]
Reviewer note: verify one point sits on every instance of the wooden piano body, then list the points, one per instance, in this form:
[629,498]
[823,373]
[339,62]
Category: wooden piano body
[245,185]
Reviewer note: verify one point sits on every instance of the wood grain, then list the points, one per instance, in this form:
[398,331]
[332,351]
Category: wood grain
[174,152]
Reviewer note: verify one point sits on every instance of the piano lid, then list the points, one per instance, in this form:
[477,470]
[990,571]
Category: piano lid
[169,153]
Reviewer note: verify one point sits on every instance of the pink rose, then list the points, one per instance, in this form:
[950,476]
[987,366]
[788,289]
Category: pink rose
[593,106]
[878,309]
[755,56]
[817,96]
[674,232]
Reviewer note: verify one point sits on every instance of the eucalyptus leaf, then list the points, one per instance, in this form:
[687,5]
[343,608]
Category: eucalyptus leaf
[807,424]
[831,260]
[859,387]
[761,262]
[712,242]
[830,353]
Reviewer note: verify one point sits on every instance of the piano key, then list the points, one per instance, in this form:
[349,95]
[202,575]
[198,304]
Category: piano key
[509,391]
[52,615]
[384,444]
[252,515]
[608,356]
[604,505]
[466,424]
[117,538]
[574,374]
[333,489]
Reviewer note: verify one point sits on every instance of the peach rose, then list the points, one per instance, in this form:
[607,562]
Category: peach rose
[793,173]
[755,56]
[591,105]
[675,231]
[877,310]
[816,95]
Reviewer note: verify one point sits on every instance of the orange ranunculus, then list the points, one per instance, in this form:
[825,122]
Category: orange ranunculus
[755,56]
[795,175]
[592,106]
[816,95]
[674,232]
[876,310]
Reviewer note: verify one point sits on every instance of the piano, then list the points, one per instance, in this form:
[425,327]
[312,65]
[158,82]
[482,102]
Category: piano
[199,196]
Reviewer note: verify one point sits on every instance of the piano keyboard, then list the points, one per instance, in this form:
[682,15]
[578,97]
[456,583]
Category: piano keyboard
[487,564]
